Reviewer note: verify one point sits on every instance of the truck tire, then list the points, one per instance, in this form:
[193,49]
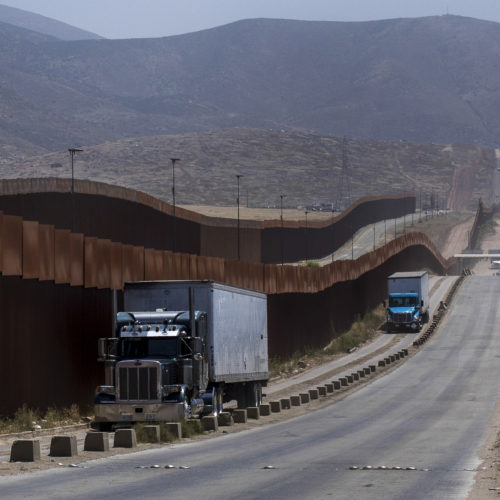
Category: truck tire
[217,406]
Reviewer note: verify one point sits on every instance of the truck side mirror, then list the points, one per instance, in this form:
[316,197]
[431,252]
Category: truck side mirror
[196,345]
[106,349]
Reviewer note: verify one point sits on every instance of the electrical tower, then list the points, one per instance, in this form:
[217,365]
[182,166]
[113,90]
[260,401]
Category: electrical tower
[344,195]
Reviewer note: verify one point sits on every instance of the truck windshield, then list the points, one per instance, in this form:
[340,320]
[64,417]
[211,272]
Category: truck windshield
[148,347]
[402,301]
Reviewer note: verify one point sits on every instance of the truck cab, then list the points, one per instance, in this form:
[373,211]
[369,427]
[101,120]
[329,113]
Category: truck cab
[404,311]
[156,367]
[408,307]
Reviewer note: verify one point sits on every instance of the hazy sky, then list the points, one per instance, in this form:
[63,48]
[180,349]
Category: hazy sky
[156,18]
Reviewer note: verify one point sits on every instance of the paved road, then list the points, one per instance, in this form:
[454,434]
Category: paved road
[439,287]
[430,413]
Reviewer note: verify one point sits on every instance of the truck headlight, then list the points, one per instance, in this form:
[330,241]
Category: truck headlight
[105,389]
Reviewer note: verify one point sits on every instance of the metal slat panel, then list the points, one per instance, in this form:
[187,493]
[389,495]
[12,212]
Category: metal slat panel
[62,261]
[12,239]
[116,266]
[76,259]
[31,250]
[90,262]
[47,252]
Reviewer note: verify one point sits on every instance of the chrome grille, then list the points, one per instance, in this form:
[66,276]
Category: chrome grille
[138,383]
[402,317]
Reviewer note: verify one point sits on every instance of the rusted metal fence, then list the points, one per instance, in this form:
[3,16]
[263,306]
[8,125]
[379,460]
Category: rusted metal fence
[39,251]
[120,214]
[57,298]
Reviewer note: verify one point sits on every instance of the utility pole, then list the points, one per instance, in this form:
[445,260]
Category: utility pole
[307,242]
[238,176]
[344,190]
[174,221]
[282,235]
[72,152]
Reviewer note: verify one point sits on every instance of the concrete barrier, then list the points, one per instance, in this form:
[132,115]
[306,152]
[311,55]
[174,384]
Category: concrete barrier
[361,374]
[367,371]
[240,416]
[285,403]
[336,384]
[321,390]
[392,358]
[343,381]
[329,387]
[125,438]
[96,441]
[349,378]
[174,428]
[373,368]
[275,406]
[304,397]
[209,423]
[225,419]
[396,356]
[405,351]
[25,450]
[381,363]
[313,393]
[253,412]
[63,446]
[355,376]
[152,433]
[265,409]
[387,361]
[295,400]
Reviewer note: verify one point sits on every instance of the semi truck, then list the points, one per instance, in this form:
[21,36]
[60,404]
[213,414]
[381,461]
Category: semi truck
[181,349]
[408,301]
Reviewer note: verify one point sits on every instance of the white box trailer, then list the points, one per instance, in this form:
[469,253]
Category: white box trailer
[236,322]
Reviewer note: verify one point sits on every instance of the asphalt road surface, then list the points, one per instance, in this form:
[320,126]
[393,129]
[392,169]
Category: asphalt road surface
[429,414]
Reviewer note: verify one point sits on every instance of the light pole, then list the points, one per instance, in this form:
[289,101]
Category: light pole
[281,232]
[307,242]
[173,160]
[72,152]
[238,176]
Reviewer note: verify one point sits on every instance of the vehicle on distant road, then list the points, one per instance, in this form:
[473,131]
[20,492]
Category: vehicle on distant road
[408,307]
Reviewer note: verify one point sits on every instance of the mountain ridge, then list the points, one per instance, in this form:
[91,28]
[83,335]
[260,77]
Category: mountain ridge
[42,24]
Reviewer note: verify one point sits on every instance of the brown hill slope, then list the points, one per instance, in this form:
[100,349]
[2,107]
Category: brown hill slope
[428,79]
[305,167]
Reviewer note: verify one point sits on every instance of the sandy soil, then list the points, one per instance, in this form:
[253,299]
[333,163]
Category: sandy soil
[458,239]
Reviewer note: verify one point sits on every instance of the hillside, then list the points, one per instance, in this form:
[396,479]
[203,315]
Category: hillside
[430,79]
[43,25]
[307,168]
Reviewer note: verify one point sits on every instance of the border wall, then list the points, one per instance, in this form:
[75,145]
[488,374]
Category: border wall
[137,218]
[58,287]
[57,300]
